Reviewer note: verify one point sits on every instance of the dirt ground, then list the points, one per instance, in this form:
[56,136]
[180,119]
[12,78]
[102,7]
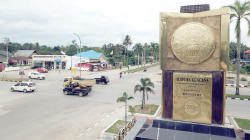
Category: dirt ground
[146,110]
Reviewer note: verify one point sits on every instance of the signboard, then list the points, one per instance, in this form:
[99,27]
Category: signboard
[73,70]
[192,97]
[57,60]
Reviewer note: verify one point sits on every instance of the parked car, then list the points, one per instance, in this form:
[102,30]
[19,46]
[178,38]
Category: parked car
[36,75]
[34,67]
[104,79]
[43,70]
[24,86]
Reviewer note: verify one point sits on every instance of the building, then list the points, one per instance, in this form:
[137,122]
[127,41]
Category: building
[195,8]
[75,61]
[97,60]
[57,61]
[23,57]
[94,57]
[3,56]
[246,57]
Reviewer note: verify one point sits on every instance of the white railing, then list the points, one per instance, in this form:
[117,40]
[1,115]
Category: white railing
[16,68]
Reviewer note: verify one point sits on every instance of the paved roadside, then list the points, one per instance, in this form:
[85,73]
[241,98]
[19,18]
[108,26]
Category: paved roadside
[95,131]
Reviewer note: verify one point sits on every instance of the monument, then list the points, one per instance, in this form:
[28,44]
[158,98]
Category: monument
[194,53]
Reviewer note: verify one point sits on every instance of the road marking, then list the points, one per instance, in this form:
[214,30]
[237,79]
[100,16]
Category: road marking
[107,116]
[96,124]
[102,120]
[88,129]
[80,135]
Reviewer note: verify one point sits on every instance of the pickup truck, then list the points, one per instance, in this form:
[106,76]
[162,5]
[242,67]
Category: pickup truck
[81,81]
[104,79]
[74,88]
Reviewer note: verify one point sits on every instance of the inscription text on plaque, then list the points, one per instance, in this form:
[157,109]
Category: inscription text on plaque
[192,97]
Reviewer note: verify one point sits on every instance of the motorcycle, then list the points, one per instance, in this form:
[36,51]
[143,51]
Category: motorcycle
[21,73]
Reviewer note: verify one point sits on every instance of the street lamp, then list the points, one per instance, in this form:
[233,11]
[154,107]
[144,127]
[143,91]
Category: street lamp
[80,39]
[7,40]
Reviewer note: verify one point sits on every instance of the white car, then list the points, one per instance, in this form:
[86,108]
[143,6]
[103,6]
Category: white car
[36,75]
[24,86]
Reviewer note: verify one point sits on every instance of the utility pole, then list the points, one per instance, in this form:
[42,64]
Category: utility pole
[80,53]
[7,40]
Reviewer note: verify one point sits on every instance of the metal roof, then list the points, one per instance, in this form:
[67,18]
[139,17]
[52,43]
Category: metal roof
[24,53]
[91,54]
[4,53]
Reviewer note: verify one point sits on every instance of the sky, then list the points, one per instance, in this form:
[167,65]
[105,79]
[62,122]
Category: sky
[99,22]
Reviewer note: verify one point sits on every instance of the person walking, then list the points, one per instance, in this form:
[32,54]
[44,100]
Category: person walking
[120,74]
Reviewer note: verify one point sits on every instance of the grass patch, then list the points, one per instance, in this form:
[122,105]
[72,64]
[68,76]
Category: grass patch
[147,109]
[116,127]
[142,68]
[238,96]
[233,72]
[243,123]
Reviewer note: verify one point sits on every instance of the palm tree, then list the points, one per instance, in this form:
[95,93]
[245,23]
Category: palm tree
[152,46]
[125,98]
[156,50]
[104,48]
[127,42]
[37,46]
[145,88]
[239,11]
[138,48]
[144,47]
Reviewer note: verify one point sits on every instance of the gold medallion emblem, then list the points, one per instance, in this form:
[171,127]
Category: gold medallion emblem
[193,43]
[192,107]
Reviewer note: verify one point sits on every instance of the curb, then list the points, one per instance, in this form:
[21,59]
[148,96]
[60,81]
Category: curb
[234,85]
[238,98]
[14,80]
[147,115]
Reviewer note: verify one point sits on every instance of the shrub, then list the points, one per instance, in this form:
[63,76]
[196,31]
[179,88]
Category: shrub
[243,79]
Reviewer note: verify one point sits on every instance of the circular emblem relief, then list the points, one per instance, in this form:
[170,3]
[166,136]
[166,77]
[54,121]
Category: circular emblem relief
[192,107]
[193,43]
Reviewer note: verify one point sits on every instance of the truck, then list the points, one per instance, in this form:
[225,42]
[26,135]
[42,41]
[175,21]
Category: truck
[75,88]
[83,82]
[104,79]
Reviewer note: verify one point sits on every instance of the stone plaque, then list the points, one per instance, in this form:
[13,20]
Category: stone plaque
[192,43]
[192,97]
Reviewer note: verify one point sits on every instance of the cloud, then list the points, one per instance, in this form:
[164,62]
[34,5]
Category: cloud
[53,22]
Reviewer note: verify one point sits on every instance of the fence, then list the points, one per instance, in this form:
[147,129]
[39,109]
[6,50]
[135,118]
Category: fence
[127,128]
[16,68]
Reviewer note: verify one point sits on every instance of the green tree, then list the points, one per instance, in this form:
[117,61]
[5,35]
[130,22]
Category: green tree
[239,11]
[233,50]
[124,99]
[127,42]
[72,50]
[145,87]
[37,47]
[138,49]
[111,60]
[153,47]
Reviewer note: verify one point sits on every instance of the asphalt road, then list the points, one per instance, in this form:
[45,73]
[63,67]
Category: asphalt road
[48,114]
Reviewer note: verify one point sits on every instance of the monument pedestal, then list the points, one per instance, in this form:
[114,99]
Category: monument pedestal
[167,129]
